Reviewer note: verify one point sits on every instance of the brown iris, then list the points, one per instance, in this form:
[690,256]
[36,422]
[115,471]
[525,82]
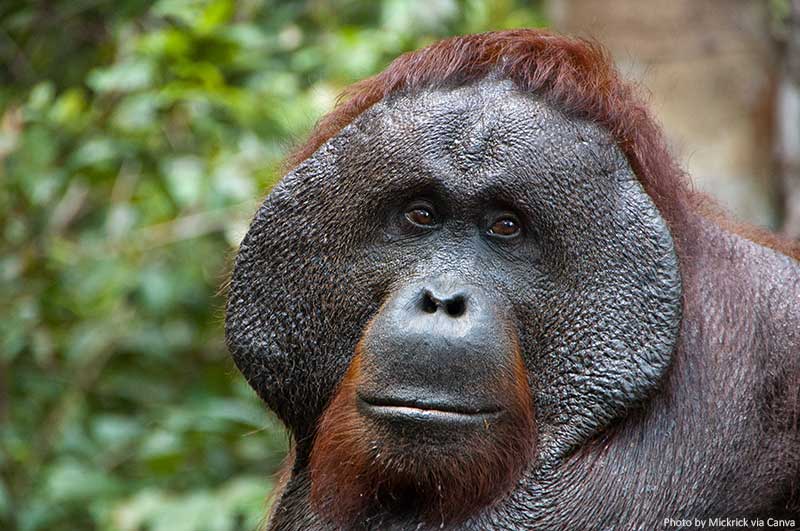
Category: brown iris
[420,215]
[506,226]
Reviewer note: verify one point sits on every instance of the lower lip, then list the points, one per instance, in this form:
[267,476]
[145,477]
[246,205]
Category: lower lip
[423,415]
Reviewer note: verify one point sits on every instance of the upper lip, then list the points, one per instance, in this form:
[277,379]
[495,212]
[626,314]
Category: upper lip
[422,405]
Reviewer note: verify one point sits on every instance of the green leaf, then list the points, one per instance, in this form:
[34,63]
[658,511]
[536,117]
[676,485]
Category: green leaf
[185,177]
[122,77]
[70,481]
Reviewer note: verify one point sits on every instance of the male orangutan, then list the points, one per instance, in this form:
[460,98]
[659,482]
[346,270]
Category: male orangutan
[485,297]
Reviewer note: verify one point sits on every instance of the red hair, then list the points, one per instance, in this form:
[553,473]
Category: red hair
[574,75]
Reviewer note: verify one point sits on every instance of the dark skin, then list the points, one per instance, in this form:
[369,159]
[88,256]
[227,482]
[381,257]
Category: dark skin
[466,270]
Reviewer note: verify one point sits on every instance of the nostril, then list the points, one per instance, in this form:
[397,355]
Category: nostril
[455,307]
[429,304]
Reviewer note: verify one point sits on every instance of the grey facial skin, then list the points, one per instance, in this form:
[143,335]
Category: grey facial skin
[661,387]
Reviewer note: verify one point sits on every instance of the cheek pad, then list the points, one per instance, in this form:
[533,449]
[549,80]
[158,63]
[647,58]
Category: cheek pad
[296,304]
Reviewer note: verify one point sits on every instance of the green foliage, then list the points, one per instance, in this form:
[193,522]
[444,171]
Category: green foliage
[136,139]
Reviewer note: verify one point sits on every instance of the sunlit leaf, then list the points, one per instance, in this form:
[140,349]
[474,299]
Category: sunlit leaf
[127,76]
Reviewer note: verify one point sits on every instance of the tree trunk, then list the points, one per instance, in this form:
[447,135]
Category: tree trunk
[788,124]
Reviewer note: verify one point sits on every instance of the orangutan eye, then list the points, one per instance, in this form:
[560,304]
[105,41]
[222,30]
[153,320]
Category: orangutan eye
[506,226]
[421,215]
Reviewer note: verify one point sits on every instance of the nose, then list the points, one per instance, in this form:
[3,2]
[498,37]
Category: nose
[452,303]
[433,339]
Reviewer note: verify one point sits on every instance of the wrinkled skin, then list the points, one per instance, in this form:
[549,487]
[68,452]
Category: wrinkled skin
[661,387]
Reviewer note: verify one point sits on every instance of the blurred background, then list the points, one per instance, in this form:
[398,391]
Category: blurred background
[136,140]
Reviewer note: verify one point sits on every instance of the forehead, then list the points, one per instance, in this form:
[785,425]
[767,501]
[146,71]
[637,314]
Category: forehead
[481,130]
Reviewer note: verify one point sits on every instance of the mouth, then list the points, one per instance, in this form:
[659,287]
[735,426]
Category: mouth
[430,411]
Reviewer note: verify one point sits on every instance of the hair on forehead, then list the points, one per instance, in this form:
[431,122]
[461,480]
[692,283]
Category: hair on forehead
[576,76]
